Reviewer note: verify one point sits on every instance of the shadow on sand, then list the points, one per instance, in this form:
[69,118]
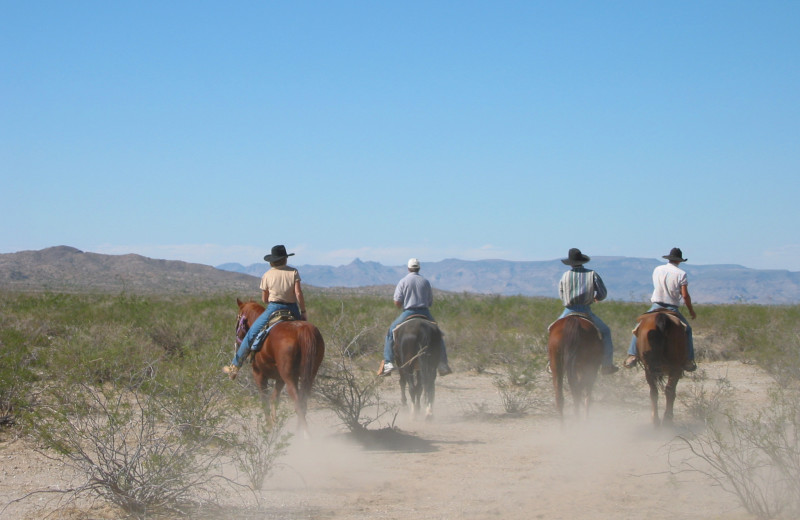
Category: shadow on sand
[391,439]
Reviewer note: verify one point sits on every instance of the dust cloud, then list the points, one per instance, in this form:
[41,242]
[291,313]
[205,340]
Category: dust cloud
[474,461]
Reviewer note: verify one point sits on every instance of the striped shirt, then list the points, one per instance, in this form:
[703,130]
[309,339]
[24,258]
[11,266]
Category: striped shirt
[581,286]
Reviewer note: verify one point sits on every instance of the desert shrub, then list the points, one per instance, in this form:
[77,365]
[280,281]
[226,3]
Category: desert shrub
[258,443]
[765,334]
[121,440]
[756,456]
[345,384]
[20,338]
[706,404]
[15,374]
[516,399]
[487,331]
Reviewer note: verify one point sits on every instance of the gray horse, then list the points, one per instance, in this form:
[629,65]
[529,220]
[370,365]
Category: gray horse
[417,350]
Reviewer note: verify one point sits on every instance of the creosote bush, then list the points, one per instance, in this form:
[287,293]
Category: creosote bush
[346,384]
[755,456]
[257,443]
[124,443]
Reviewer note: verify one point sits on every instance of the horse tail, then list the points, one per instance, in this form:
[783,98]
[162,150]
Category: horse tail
[657,339]
[570,338]
[310,341]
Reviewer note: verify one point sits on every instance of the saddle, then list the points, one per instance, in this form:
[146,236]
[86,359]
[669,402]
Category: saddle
[275,318]
[672,315]
[409,319]
[582,316]
[280,315]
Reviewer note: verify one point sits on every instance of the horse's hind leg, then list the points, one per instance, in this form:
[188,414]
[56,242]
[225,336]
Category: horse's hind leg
[291,389]
[430,394]
[403,400]
[273,401]
[653,399]
[577,397]
[669,394]
[557,371]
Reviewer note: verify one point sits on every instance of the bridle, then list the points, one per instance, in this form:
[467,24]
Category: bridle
[241,328]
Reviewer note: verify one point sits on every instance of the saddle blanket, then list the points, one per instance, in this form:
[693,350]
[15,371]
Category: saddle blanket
[410,319]
[673,317]
[584,317]
[277,317]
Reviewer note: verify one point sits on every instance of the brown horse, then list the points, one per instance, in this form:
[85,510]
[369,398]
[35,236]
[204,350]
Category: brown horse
[417,350]
[575,348]
[661,348]
[291,355]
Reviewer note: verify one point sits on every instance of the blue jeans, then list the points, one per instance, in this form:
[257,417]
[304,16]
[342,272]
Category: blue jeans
[388,345]
[608,345]
[253,338]
[689,338]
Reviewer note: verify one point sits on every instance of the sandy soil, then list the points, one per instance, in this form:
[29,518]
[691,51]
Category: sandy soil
[473,461]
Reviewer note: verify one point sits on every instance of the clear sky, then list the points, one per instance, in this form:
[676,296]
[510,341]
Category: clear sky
[210,131]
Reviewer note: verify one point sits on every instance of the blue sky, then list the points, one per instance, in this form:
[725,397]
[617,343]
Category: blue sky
[210,131]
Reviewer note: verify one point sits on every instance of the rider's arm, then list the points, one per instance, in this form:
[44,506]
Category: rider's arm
[265,295]
[301,302]
[688,300]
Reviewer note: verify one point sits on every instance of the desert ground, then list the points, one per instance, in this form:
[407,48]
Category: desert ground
[472,461]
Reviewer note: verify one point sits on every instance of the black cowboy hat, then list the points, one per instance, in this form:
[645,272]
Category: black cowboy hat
[575,257]
[675,255]
[278,253]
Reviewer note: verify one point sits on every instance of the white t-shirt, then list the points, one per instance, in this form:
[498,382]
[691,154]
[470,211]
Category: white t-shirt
[667,282]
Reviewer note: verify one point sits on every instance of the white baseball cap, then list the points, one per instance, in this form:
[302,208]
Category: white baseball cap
[413,263]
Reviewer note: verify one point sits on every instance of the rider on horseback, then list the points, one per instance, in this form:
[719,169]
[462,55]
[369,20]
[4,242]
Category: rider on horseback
[579,288]
[280,289]
[413,295]
[669,286]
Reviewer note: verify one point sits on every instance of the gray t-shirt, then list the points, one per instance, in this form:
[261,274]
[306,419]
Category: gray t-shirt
[414,291]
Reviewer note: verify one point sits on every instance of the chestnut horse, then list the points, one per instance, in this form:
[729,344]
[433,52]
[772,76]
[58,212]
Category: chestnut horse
[661,348]
[417,350]
[291,355]
[575,348]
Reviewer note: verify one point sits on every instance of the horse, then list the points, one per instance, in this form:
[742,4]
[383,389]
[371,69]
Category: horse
[291,355]
[575,348]
[661,348]
[417,350]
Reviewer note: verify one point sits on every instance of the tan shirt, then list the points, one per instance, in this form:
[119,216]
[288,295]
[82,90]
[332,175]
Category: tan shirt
[279,281]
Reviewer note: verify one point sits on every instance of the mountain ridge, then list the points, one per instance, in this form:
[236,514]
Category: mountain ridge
[67,269]
[627,278]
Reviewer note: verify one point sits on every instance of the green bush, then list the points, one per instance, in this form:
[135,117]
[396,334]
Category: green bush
[133,382]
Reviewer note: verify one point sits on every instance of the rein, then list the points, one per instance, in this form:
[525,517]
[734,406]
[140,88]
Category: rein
[241,329]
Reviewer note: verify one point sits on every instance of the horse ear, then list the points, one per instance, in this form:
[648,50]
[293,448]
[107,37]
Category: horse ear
[239,303]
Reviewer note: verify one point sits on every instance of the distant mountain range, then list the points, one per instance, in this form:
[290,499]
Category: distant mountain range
[627,279]
[66,269]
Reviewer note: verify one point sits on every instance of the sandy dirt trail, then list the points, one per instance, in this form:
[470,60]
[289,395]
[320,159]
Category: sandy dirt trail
[473,461]
[493,465]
